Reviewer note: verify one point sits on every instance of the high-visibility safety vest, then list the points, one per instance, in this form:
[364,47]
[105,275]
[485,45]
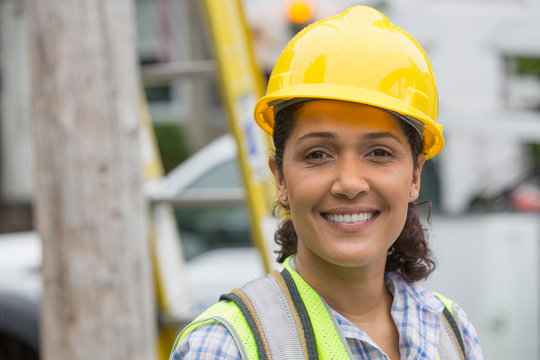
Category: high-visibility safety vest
[280,316]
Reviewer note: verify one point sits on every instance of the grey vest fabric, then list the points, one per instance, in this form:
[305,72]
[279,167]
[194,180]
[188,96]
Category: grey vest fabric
[275,317]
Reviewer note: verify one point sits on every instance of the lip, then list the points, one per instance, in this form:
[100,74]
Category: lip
[350,226]
[350,210]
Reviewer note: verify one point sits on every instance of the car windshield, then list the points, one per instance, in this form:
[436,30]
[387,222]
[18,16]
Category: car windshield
[225,175]
[217,226]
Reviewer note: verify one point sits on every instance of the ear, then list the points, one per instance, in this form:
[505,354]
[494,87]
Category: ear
[279,180]
[417,174]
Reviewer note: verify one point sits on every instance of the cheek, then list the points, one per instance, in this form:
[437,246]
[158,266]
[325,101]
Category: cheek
[395,182]
[297,179]
[304,192]
[397,189]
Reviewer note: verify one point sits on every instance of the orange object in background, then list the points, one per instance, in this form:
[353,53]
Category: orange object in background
[299,11]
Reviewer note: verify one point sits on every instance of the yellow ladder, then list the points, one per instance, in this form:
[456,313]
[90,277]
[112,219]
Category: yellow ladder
[241,85]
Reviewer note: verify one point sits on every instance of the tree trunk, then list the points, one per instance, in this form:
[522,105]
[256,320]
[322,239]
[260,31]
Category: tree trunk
[90,212]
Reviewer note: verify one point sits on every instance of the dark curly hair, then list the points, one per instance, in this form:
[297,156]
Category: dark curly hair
[410,254]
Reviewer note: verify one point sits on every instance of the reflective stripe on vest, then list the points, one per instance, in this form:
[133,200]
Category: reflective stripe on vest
[228,314]
[281,317]
[451,344]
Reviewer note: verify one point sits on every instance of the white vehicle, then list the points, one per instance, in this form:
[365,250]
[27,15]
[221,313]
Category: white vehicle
[20,285]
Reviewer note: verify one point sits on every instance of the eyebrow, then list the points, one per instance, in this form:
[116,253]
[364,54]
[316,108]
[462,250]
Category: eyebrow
[329,135]
[382,134]
[320,135]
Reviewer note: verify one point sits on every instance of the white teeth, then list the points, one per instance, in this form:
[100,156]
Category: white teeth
[349,218]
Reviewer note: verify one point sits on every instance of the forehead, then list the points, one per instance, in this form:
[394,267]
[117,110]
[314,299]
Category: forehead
[329,115]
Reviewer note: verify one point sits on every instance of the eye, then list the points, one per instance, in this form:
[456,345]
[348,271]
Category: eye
[381,153]
[316,155]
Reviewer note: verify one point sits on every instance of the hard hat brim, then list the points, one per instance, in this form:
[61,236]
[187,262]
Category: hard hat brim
[264,109]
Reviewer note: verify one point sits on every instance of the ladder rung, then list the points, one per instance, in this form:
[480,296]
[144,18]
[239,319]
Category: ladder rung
[202,198]
[166,73]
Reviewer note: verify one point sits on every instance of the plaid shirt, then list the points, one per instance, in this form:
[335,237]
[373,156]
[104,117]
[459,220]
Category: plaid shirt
[415,310]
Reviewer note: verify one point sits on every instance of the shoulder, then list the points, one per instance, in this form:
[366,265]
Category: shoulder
[470,337]
[220,332]
[210,340]
[407,295]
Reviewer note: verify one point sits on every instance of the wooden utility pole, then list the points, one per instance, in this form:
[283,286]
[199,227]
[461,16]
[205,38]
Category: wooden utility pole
[98,293]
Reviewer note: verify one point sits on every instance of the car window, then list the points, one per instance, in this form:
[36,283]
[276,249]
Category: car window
[226,175]
[218,226]
[208,228]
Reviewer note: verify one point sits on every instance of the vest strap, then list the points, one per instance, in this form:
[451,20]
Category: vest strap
[331,343]
[451,345]
[271,312]
[303,324]
[456,334]
[245,306]
[298,305]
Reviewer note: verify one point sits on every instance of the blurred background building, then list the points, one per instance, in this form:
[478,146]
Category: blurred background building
[484,187]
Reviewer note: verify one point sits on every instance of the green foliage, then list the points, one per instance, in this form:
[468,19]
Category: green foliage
[158,93]
[535,150]
[172,145]
[528,66]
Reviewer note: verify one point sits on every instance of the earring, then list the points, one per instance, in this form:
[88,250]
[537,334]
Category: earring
[411,194]
[285,198]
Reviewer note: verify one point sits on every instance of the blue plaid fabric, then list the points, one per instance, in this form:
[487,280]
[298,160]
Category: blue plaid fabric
[415,310]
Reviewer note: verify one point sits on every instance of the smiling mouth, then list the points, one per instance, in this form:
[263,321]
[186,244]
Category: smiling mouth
[349,218]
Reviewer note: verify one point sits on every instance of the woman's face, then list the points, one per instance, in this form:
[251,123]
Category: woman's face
[347,174]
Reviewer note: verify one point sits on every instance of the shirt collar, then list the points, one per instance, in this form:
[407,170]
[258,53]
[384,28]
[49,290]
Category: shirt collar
[420,295]
[417,314]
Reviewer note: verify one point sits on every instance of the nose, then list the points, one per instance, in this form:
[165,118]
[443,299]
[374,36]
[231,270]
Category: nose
[350,178]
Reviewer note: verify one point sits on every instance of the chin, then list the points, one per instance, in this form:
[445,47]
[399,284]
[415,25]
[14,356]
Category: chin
[353,259]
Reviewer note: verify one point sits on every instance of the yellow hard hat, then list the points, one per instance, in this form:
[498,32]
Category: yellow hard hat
[358,56]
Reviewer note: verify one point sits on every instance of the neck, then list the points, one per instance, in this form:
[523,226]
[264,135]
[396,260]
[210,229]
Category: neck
[358,293]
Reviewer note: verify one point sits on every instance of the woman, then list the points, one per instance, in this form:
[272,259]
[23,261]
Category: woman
[352,109]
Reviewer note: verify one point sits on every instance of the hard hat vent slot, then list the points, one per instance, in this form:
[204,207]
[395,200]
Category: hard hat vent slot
[417,100]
